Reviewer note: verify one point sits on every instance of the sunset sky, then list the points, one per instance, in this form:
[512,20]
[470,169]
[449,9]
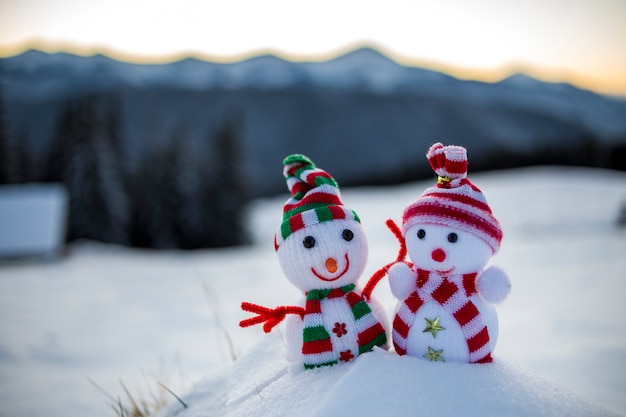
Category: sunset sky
[578,41]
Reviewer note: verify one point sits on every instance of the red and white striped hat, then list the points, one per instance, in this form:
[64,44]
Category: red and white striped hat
[454,201]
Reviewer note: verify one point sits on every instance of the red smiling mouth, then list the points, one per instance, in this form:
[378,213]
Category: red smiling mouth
[445,272]
[335,278]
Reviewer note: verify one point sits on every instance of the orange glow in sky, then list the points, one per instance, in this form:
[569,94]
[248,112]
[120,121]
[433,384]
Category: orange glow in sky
[577,41]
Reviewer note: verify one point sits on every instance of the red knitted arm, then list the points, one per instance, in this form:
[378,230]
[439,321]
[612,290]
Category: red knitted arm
[270,317]
[378,275]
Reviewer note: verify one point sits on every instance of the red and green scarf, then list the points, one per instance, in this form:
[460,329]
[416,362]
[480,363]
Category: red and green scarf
[317,348]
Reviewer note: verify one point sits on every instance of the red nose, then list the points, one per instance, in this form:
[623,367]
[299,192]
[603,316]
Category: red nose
[438,255]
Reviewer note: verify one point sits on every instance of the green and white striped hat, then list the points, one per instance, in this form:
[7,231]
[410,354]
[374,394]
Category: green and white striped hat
[315,198]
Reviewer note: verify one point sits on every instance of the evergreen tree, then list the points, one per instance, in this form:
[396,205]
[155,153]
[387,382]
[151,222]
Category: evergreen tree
[16,163]
[228,195]
[4,144]
[57,156]
[156,199]
[20,166]
[84,158]
[191,174]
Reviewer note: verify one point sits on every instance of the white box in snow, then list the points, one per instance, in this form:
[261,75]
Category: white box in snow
[32,219]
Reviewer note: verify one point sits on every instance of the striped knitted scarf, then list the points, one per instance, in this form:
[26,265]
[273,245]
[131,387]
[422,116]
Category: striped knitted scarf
[454,297]
[317,348]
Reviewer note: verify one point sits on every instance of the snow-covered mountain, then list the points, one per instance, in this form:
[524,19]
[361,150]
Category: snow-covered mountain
[362,69]
[359,101]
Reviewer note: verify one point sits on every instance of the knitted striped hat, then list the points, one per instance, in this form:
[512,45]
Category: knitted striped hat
[315,198]
[454,201]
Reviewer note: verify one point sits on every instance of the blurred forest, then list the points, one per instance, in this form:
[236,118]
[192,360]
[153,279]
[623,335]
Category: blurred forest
[182,194]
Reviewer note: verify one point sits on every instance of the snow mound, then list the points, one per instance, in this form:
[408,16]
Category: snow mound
[379,383]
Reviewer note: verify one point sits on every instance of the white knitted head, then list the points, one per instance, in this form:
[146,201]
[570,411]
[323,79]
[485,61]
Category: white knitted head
[330,254]
[446,249]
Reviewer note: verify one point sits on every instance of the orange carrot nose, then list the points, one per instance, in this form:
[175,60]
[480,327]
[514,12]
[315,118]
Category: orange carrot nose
[331,265]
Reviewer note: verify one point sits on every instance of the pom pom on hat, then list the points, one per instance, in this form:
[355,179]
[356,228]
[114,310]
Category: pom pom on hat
[455,201]
[449,162]
[315,198]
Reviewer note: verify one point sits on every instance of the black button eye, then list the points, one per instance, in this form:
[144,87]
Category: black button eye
[421,233]
[308,242]
[347,235]
[453,237]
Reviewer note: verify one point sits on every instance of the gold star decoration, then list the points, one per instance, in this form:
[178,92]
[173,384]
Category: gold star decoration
[433,326]
[434,355]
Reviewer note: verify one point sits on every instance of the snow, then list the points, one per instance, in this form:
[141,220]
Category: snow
[109,313]
[379,383]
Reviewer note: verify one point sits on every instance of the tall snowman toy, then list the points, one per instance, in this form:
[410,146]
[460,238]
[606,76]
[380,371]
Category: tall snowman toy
[322,250]
[446,310]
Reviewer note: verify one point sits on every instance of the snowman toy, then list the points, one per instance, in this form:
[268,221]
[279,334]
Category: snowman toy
[445,311]
[322,250]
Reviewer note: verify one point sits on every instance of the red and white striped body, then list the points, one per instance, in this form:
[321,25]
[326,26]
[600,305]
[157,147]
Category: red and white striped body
[445,319]
[450,234]
[441,315]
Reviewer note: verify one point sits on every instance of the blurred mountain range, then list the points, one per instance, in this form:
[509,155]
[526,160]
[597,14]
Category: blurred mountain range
[167,156]
[361,116]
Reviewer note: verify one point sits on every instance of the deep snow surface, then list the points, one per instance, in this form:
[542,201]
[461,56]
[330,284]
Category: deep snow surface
[109,313]
[379,383]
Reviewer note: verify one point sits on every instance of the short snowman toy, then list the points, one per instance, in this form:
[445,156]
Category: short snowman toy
[322,250]
[446,310]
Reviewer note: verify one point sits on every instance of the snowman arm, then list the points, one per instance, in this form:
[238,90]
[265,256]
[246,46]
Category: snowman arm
[402,280]
[493,284]
[378,275]
[269,316]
